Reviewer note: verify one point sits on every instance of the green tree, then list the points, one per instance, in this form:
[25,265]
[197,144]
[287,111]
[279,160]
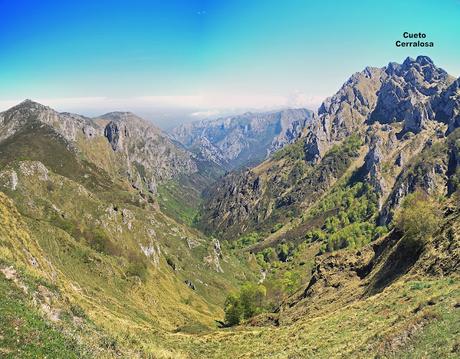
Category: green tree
[233,310]
[245,304]
[251,299]
[291,281]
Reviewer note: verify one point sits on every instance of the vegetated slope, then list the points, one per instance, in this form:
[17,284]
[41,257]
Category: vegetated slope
[120,144]
[130,271]
[242,140]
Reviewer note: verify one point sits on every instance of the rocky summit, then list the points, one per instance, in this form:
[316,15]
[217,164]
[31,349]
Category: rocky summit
[288,234]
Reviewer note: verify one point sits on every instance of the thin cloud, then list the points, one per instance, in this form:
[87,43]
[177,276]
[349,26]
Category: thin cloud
[205,105]
[205,114]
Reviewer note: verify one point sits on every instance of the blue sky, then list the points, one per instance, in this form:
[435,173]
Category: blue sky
[177,60]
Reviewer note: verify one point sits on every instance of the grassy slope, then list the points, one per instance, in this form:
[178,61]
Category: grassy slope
[414,316]
[49,236]
[25,333]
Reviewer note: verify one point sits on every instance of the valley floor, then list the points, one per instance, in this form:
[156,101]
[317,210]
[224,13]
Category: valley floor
[417,317]
[414,318]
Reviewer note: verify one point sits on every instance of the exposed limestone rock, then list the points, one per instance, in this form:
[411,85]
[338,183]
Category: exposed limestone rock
[9,179]
[115,134]
[137,182]
[127,217]
[395,93]
[373,163]
[152,250]
[191,242]
[215,257]
[89,131]
[447,106]
[150,155]
[37,169]
[152,186]
[344,113]
[66,124]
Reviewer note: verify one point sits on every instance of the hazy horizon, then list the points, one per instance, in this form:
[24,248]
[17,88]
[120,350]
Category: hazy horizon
[188,60]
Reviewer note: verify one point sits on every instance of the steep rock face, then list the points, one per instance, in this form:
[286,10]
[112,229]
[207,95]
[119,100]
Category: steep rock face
[240,140]
[373,165]
[115,135]
[150,155]
[406,92]
[344,113]
[236,202]
[447,106]
[395,93]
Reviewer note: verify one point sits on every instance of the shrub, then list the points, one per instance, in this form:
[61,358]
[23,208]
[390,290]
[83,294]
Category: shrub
[137,269]
[418,217]
[251,298]
[247,240]
[291,281]
[283,252]
[98,240]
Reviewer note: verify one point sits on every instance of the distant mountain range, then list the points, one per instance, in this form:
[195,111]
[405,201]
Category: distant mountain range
[242,140]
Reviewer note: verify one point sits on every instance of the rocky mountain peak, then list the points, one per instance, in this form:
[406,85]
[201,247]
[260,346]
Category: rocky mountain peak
[66,124]
[31,104]
[421,73]
[395,93]
[28,106]
[406,93]
[24,113]
[120,116]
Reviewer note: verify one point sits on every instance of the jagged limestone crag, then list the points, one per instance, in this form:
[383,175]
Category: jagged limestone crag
[395,93]
[149,154]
